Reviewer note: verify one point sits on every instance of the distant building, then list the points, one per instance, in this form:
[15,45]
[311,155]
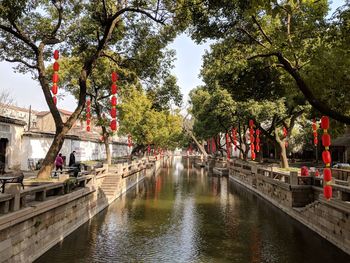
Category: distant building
[26,135]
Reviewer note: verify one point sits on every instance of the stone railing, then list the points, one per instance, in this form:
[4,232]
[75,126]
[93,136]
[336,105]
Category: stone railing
[295,190]
[17,198]
[301,197]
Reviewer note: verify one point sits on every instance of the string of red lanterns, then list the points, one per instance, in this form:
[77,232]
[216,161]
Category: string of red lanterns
[314,132]
[234,137]
[129,141]
[55,78]
[88,114]
[114,91]
[213,145]
[228,146]
[285,134]
[252,139]
[257,140]
[327,159]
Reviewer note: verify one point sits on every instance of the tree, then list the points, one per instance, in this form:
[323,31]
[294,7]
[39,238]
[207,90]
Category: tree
[288,35]
[6,99]
[147,125]
[29,31]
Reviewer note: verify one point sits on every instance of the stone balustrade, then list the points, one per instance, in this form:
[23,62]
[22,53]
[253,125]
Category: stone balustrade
[301,197]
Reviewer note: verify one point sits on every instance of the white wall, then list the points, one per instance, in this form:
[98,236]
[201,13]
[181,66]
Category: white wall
[36,148]
[14,146]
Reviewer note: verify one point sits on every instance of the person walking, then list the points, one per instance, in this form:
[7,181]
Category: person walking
[59,162]
[72,159]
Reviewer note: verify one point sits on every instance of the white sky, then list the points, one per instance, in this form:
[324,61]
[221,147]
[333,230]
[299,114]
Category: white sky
[27,91]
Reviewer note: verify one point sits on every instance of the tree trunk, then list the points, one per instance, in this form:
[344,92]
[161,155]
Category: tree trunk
[284,159]
[108,153]
[49,161]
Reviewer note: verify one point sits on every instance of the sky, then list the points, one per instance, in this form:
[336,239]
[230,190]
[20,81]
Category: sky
[27,91]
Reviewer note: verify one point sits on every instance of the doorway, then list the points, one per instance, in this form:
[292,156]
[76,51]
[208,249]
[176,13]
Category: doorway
[3,144]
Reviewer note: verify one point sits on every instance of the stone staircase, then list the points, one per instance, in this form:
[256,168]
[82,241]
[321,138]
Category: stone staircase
[111,186]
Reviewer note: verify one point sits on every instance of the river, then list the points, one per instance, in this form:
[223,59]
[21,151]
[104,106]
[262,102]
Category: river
[185,215]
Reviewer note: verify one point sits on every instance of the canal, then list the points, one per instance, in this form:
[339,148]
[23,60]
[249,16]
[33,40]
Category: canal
[186,215]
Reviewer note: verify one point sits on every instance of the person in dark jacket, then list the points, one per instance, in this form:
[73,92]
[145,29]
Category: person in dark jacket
[71,159]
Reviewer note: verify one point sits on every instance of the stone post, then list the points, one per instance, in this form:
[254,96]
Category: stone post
[15,189]
[293,178]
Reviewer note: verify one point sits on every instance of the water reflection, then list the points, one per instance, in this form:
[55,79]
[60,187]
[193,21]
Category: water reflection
[184,215]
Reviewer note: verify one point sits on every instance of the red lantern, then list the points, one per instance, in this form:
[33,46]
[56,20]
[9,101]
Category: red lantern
[327,174]
[315,134]
[314,126]
[317,173]
[213,145]
[257,140]
[252,147]
[251,123]
[325,123]
[253,155]
[88,121]
[315,141]
[114,101]
[326,157]
[56,54]
[88,103]
[114,76]
[113,125]
[113,112]
[88,116]
[54,100]
[114,88]
[327,192]
[258,148]
[257,132]
[326,140]
[54,89]
[251,131]
[88,128]
[285,132]
[286,144]
[55,78]
[148,149]
[56,66]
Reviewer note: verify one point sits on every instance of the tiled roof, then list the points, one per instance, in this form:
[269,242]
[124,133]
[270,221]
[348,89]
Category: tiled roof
[65,112]
[12,121]
[13,107]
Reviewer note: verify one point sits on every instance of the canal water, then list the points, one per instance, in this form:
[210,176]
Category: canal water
[185,215]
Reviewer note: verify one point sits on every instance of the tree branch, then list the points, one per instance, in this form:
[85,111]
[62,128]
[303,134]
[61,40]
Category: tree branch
[21,61]
[261,30]
[251,37]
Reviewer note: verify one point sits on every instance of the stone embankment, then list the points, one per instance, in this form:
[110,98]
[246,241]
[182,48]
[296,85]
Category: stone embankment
[36,218]
[301,197]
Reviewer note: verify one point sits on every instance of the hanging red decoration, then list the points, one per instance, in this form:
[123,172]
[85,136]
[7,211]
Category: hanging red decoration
[317,173]
[114,112]
[327,192]
[325,123]
[257,140]
[148,149]
[55,77]
[114,101]
[129,141]
[114,76]
[56,54]
[114,89]
[113,124]
[314,132]
[56,66]
[213,145]
[251,134]
[327,159]
[88,121]
[88,128]
[228,146]
[234,136]
[326,140]
[54,89]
